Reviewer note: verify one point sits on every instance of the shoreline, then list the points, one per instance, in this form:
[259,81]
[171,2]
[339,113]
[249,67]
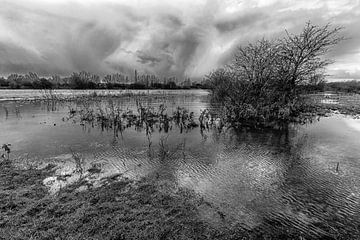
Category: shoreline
[149,208]
[73,94]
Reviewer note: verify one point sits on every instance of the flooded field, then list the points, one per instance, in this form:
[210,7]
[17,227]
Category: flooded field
[305,179]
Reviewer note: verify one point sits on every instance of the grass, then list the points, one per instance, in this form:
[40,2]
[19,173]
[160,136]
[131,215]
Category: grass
[120,209]
[19,189]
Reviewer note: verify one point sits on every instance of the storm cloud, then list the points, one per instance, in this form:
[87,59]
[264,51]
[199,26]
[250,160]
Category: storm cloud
[182,38]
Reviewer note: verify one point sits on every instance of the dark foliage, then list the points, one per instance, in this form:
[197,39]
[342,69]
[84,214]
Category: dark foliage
[266,81]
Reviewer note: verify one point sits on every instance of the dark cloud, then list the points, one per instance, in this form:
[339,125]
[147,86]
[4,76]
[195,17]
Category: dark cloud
[147,59]
[247,20]
[187,38]
[171,21]
[185,47]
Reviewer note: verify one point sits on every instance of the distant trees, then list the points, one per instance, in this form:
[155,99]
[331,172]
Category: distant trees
[15,80]
[86,80]
[265,80]
[56,81]
[30,80]
[42,83]
[83,80]
[347,86]
[4,82]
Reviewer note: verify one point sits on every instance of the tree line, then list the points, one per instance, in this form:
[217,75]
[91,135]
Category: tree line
[86,80]
[352,86]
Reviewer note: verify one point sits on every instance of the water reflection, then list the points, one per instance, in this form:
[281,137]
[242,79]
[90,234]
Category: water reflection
[266,181]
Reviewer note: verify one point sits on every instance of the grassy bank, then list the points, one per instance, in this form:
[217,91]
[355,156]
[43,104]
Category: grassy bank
[121,209]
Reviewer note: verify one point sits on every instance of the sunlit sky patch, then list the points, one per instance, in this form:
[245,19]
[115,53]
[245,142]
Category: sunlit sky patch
[167,38]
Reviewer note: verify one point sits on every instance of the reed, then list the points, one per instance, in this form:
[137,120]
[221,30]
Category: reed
[79,163]
[6,112]
[7,150]
[147,118]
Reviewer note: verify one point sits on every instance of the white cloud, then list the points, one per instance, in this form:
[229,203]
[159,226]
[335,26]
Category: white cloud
[164,37]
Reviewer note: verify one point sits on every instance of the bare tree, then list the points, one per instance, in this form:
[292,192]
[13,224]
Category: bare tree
[295,59]
[263,80]
[302,55]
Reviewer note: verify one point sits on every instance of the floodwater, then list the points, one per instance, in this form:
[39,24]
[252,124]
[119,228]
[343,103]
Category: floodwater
[306,179]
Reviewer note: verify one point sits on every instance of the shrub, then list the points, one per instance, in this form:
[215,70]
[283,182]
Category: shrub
[265,82]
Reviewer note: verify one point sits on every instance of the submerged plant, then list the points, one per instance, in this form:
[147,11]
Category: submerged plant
[6,112]
[165,152]
[109,116]
[17,111]
[79,163]
[7,150]
[163,148]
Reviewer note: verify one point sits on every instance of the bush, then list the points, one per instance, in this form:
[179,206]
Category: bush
[265,82]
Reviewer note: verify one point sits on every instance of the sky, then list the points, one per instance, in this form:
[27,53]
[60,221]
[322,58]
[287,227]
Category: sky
[187,38]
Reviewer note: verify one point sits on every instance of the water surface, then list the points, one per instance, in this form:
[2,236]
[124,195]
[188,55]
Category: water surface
[263,180]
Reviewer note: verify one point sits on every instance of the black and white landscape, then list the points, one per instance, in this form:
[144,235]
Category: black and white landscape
[185,119]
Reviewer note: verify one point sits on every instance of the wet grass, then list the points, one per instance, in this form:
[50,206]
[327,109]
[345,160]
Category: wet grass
[120,209]
[19,189]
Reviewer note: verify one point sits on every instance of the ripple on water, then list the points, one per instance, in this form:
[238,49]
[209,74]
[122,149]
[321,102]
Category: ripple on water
[264,180]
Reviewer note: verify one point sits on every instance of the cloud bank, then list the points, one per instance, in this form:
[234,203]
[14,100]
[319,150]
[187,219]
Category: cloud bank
[167,38]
